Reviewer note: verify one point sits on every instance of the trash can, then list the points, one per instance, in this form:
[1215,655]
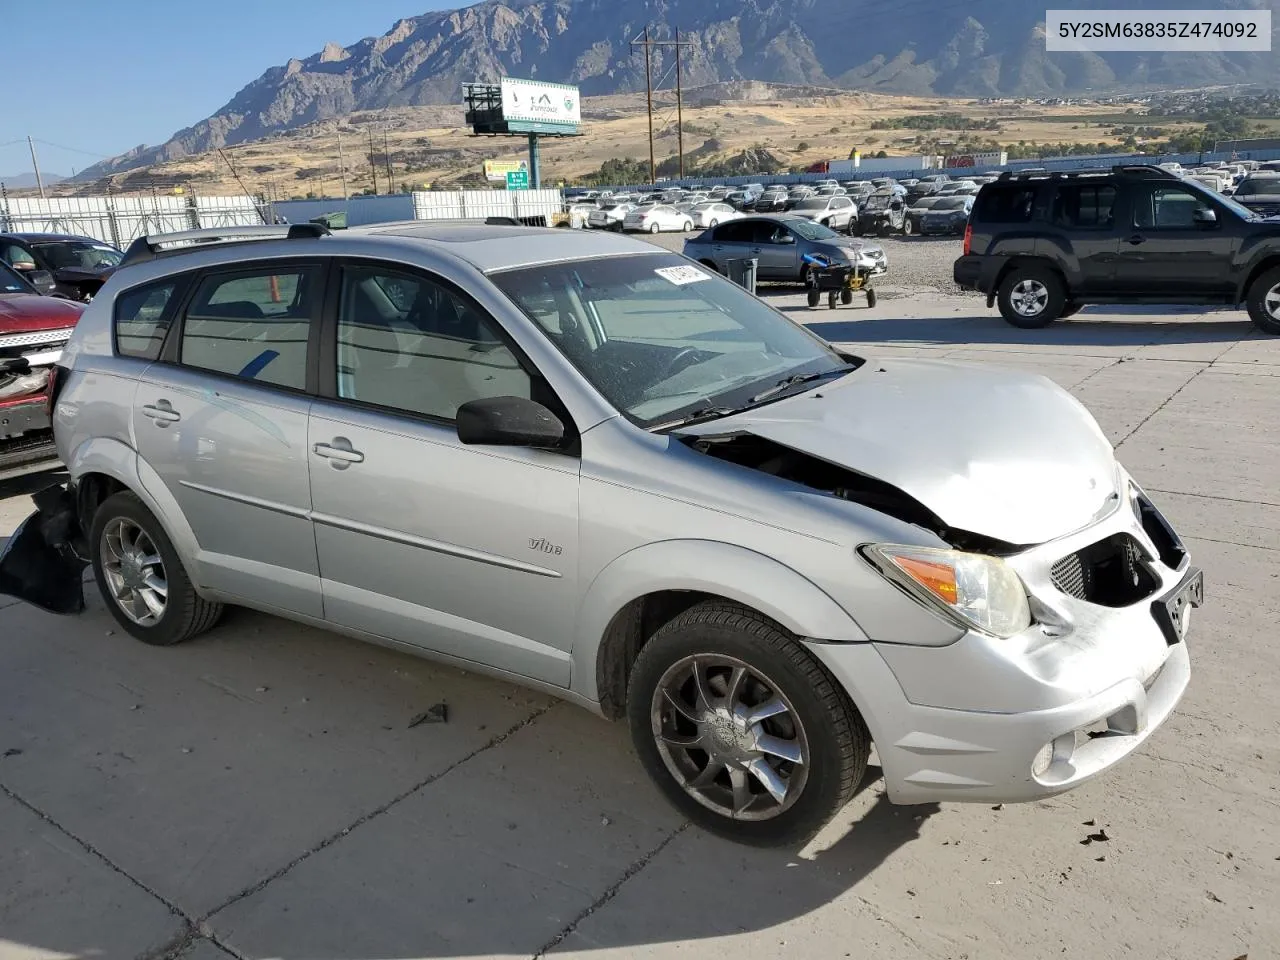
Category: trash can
[743,272]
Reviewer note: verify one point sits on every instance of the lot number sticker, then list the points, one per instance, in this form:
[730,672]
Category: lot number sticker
[682,275]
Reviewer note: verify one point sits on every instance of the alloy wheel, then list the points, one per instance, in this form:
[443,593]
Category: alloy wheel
[1029,297]
[134,571]
[1271,302]
[730,738]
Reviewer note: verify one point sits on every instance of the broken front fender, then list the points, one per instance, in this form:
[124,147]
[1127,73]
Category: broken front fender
[40,563]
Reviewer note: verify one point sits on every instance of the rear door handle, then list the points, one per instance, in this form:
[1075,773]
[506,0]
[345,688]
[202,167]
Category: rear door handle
[1136,239]
[161,412]
[339,453]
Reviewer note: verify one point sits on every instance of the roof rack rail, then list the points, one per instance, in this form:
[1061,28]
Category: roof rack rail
[155,245]
[1117,169]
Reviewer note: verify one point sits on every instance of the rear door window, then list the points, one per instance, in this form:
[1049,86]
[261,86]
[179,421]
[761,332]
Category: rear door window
[736,232]
[254,325]
[1085,206]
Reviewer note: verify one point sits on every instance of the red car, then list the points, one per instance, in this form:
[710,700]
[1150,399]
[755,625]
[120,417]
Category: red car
[33,330]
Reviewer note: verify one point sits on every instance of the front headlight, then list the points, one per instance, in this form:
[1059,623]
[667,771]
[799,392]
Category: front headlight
[980,590]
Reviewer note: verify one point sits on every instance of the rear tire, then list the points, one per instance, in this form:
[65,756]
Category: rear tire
[185,613]
[813,297]
[846,297]
[1263,301]
[871,298]
[654,228]
[908,228]
[713,224]
[811,717]
[1031,297]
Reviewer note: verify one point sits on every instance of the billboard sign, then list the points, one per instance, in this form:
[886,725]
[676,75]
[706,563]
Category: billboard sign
[993,158]
[497,170]
[530,101]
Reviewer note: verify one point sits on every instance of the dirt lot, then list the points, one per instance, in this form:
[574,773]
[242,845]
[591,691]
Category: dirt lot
[258,792]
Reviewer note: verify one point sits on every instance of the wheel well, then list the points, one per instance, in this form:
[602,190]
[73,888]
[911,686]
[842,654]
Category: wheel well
[1259,270]
[1015,262]
[629,630]
[91,490]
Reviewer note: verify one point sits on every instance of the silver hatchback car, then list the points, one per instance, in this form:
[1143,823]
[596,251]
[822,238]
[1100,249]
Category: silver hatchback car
[597,468]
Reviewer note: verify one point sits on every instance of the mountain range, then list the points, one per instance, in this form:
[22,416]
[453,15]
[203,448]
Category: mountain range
[22,181]
[971,48]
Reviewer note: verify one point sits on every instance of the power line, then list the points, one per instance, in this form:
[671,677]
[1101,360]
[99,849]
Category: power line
[59,146]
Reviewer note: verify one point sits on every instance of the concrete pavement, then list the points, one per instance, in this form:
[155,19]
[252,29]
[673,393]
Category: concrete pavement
[258,793]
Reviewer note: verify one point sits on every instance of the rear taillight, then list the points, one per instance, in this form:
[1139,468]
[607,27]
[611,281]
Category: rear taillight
[968,238]
[57,377]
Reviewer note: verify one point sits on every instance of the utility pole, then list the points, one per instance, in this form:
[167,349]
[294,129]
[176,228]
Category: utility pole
[342,166]
[373,164]
[386,157]
[648,89]
[643,40]
[679,107]
[36,166]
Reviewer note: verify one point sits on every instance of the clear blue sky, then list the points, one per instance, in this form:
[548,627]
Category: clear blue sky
[103,77]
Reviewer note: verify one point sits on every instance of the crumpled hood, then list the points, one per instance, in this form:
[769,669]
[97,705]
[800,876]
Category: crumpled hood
[29,312]
[996,452]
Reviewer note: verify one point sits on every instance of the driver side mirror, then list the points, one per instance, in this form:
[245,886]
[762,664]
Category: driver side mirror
[509,422]
[784,238]
[1204,217]
[42,280]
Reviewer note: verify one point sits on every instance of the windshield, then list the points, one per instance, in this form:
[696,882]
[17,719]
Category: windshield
[1259,187]
[812,231]
[662,338]
[79,253]
[951,203]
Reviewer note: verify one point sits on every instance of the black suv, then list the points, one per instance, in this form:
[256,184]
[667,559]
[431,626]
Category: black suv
[1041,245]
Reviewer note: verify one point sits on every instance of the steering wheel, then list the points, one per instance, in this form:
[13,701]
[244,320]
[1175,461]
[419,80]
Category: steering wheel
[674,365]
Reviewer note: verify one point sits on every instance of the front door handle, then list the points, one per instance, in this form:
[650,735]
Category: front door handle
[339,453]
[161,412]
[1136,239]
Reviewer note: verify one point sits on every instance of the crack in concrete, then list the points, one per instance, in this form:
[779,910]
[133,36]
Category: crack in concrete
[97,854]
[1210,496]
[610,892]
[360,821]
[1167,400]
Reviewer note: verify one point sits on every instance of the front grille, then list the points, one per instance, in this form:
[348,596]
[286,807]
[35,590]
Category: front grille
[1111,573]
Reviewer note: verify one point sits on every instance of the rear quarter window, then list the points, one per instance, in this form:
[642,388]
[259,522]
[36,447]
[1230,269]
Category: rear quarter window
[1005,204]
[142,319]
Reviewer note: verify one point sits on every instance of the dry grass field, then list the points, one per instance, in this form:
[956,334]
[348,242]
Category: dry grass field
[431,145]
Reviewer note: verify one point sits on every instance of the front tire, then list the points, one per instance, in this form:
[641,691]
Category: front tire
[741,729]
[813,297]
[1263,301]
[908,228]
[1031,297]
[142,580]
[688,225]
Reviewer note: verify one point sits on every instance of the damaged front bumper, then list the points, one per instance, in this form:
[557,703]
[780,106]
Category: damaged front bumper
[1003,720]
[43,562]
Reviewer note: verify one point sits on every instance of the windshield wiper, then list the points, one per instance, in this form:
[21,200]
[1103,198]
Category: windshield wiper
[792,381]
[697,416]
